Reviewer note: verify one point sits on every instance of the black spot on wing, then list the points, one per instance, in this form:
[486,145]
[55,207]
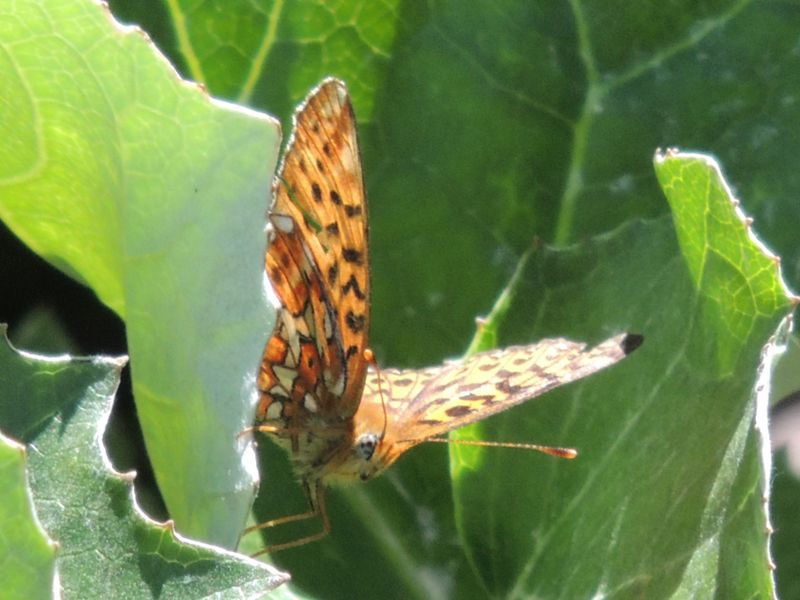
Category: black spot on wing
[631,342]
[458,411]
[335,197]
[351,210]
[507,388]
[485,398]
[316,192]
[352,286]
[355,322]
[352,255]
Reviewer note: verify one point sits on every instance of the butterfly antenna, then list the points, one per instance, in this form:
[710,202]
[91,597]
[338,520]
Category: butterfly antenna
[369,356]
[551,450]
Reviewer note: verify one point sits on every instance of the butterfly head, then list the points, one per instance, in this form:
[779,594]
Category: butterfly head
[369,456]
[357,460]
[372,449]
[364,450]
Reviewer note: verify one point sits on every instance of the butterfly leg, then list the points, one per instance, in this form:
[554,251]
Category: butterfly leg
[261,428]
[316,498]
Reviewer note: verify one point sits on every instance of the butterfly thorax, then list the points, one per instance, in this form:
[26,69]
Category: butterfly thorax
[358,449]
[312,445]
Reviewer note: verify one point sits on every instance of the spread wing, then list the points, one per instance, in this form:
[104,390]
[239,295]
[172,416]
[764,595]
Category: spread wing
[429,402]
[317,263]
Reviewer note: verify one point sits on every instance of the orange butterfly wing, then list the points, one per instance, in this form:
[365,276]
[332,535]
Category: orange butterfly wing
[430,402]
[318,265]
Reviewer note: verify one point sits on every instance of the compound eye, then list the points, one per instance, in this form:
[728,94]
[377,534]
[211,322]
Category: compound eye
[366,444]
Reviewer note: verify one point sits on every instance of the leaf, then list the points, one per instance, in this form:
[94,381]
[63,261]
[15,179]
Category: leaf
[29,564]
[786,491]
[106,547]
[154,195]
[668,484]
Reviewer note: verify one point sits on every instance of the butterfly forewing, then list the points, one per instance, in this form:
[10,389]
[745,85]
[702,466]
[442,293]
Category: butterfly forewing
[321,187]
[317,263]
[430,402]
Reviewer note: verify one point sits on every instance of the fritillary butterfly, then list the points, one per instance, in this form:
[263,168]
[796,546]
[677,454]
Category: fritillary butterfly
[321,396]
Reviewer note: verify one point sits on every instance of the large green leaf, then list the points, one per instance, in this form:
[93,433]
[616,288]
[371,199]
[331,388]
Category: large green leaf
[106,547]
[670,459]
[154,195]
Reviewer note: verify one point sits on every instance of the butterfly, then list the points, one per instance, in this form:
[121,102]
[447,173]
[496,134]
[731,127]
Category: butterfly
[322,397]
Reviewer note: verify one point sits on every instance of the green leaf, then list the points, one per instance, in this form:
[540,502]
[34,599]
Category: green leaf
[786,491]
[735,277]
[106,547]
[668,483]
[740,294]
[266,48]
[28,564]
[154,195]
